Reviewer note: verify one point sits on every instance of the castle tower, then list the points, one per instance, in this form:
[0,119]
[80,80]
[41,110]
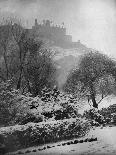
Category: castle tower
[55,34]
[36,23]
[46,23]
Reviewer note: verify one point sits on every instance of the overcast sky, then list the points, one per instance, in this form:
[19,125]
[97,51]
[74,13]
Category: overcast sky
[91,21]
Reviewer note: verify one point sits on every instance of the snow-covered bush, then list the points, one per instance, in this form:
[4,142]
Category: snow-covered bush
[58,105]
[14,106]
[109,114]
[31,134]
[30,117]
[114,119]
[8,108]
[17,108]
[93,114]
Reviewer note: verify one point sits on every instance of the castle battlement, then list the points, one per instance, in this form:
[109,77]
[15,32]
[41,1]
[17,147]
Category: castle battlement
[48,25]
[56,34]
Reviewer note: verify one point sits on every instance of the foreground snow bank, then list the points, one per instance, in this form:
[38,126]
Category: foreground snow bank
[32,134]
[105,145]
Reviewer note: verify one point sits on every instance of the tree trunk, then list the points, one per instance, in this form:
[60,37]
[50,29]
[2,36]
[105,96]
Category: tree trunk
[19,80]
[21,68]
[6,65]
[28,85]
[92,92]
[95,105]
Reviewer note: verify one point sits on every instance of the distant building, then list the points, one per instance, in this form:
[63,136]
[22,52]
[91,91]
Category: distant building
[55,35]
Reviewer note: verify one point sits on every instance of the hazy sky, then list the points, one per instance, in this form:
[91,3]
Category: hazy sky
[91,21]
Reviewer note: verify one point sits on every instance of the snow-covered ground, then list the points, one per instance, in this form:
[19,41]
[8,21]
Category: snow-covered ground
[106,102]
[105,144]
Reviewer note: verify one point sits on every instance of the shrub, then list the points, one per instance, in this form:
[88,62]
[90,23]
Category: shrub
[7,107]
[62,106]
[15,108]
[31,134]
[113,120]
[109,114]
[30,117]
[93,114]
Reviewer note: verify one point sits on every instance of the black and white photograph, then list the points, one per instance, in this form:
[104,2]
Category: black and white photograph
[57,77]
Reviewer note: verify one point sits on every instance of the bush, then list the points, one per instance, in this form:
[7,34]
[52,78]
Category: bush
[7,107]
[62,106]
[13,105]
[93,114]
[113,120]
[61,113]
[15,108]
[31,134]
[30,117]
[109,114]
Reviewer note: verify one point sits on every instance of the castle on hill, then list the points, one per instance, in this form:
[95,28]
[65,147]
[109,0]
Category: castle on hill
[55,35]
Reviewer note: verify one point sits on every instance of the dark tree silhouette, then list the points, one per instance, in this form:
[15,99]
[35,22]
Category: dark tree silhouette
[5,36]
[40,71]
[25,59]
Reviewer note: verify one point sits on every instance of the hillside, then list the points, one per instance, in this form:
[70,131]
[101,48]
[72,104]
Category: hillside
[67,59]
[65,65]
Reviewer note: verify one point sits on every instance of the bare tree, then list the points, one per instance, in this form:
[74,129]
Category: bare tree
[20,37]
[40,71]
[93,76]
[28,60]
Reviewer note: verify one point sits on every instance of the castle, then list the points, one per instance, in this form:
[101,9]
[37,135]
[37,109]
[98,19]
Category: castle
[55,35]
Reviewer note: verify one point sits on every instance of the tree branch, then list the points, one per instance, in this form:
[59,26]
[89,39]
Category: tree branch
[101,98]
